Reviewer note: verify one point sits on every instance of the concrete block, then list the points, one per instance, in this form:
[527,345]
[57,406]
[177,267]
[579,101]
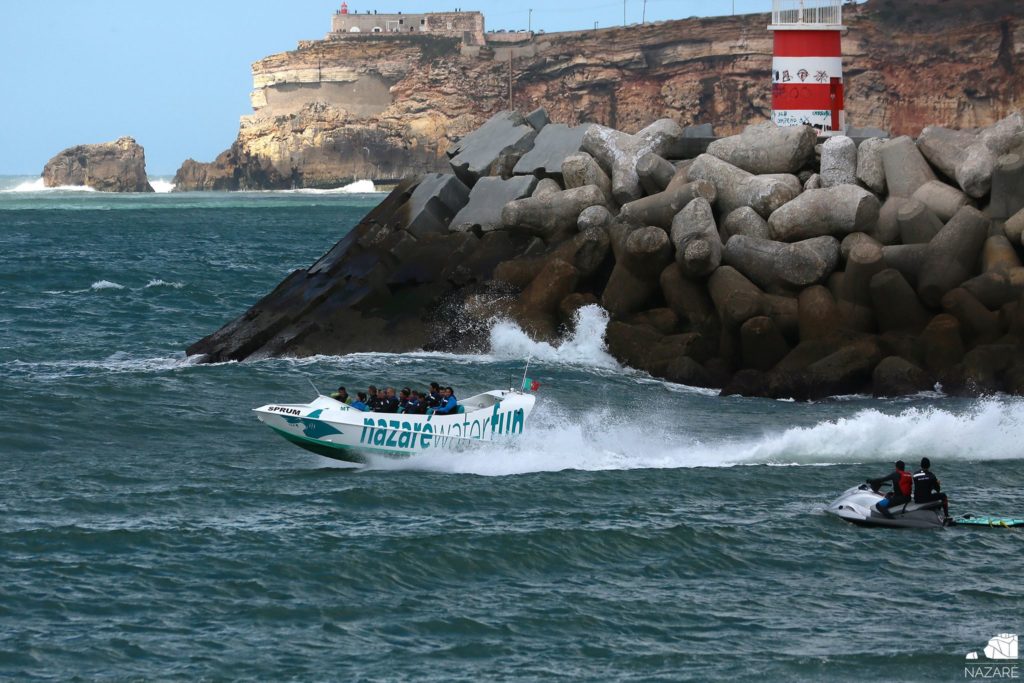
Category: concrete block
[486,201]
[870,169]
[838,162]
[835,211]
[553,145]
[767,148]
[698,247]
[619,152]
[905,167]
[737,188]
[492,146]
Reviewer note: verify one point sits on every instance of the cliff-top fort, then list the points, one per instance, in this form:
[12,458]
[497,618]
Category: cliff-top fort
[466,26]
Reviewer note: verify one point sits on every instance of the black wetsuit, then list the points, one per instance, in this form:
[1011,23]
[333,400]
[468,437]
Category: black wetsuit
[926,489]
[376,404]
[389,405]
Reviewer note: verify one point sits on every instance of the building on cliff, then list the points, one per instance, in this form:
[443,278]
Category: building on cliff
[466,26]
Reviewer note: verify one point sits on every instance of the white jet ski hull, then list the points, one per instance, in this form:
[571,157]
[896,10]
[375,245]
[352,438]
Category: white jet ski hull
[857,505]
[332,429]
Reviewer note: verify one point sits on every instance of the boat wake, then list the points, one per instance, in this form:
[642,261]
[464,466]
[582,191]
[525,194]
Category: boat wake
[556,440]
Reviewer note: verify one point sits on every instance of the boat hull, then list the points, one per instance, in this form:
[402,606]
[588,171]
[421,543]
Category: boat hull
[334,430]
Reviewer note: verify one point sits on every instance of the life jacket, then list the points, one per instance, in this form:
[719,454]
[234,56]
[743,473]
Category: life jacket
[906,483]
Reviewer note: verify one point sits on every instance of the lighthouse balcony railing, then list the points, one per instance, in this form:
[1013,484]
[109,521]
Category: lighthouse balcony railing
[807,12]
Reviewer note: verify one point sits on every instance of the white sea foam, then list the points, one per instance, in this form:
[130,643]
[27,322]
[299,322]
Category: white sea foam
[118,362]
[556,439]
[105,284]
[358,187]
[38,185]
[161,186]
[584,346]
[163,283]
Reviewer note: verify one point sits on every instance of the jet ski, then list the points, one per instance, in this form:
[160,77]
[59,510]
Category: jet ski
[857,505]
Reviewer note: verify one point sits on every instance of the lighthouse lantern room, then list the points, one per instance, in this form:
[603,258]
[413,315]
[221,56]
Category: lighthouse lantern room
[807,64]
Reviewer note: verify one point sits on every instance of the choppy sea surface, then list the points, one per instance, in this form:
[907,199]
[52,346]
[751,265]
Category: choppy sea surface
[152,529]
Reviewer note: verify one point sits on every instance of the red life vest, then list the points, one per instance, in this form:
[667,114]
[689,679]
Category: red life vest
[906,485]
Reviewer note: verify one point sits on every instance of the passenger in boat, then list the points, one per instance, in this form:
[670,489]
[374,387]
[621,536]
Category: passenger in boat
[434,398]
[374,399]
[403,400]
[360,402]
[342,395]
[927,487]
[414,405]
[390,403]
[449,404]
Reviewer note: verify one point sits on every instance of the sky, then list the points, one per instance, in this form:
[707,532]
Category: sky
[176,75]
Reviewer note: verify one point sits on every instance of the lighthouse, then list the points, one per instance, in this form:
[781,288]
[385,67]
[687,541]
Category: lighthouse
[807,64]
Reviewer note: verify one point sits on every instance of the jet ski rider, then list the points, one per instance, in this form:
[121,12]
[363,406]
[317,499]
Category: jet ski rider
[926,487]
[902,487]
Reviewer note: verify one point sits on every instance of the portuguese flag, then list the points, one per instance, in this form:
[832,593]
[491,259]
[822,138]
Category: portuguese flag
[530,384]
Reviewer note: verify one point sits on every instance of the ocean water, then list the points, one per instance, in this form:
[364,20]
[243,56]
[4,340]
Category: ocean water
[152,529]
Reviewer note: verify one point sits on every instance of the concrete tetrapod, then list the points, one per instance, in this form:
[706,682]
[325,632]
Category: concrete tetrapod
[978,325]
[855,303]
[870,169]
[746,221]
[688,299]
[835,211]
[696,240]
[639,259]
[619,152]
[818,313]
[974,172]
[895,303]
[952,255]
[887,231]
[737,300]
[761,343]
[581,169]
[780,266]
[905,168]
[918,224]
[767,148]
[552,217]
[736,188]
[838,161]
[1007,186]
[661,208]
[655,173]
[943,200]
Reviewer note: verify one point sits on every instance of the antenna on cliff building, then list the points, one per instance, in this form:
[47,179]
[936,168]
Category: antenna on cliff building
[643,17]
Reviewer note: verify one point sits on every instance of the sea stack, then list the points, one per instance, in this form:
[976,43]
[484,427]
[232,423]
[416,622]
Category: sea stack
[118,166]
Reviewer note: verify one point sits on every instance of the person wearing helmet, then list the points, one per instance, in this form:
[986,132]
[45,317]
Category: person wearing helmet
[902,487]
[927,487]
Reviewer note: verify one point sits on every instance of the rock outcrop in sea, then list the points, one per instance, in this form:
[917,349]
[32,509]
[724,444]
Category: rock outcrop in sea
[760,264]
[118,166]
[387,106]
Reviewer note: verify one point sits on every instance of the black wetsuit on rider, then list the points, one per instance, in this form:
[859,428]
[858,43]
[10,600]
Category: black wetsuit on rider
[926,487]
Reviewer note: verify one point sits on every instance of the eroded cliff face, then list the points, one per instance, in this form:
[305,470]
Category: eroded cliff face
[387,107]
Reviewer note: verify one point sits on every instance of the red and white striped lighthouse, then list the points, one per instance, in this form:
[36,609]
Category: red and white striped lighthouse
[807,64]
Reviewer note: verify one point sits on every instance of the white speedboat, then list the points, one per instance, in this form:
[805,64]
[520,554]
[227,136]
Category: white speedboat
[331,428]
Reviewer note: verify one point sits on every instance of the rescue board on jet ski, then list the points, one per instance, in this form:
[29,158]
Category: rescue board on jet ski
[989,522]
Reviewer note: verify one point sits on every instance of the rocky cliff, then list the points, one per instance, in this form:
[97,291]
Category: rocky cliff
[118,166]
[387,107]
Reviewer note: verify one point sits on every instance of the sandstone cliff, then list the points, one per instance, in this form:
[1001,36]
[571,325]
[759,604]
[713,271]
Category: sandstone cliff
[118,166]
[386,107]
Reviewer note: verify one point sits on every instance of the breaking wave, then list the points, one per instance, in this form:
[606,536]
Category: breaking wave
[584,346]
[161,186]
[38,185]
[163,283]
[358,187]
[105,284]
